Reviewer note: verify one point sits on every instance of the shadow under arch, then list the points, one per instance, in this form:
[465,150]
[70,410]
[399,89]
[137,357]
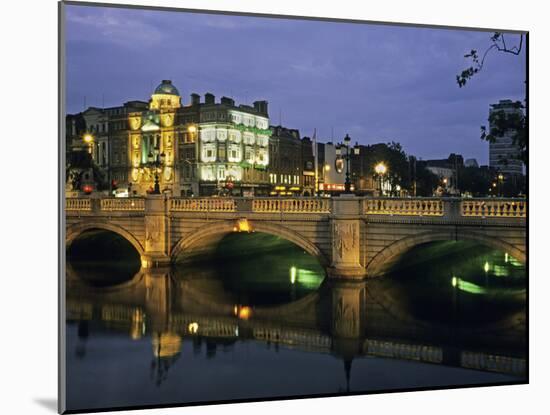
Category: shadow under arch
[75,230]
[386,258]
[206,237]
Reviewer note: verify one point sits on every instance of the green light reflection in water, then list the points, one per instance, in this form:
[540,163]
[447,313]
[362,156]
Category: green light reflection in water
[458,281]
[259,269]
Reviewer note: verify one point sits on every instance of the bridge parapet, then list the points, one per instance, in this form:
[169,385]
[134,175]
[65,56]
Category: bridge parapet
[447,208]
[494,208]
[296,205]
[123,204]
[203,205]
[407,207]
[78,204]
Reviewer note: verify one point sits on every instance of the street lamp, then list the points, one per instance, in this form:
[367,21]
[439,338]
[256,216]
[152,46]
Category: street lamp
[155,160]
[500,180]
[89,139]
[380,169]
[347,158]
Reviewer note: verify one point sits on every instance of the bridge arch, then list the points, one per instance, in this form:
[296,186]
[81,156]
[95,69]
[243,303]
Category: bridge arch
[384,259]
[75,230]
[215,231]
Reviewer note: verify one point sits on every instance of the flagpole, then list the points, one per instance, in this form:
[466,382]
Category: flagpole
[315,162]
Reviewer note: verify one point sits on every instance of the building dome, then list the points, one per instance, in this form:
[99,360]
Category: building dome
[166,88]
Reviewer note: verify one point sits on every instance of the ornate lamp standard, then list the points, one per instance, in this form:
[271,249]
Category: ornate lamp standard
[380,169]
[88,138]
[347,158]
[500,179]
[155,160]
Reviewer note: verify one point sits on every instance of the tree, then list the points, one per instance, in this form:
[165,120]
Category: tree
[498,43]
[426,181]
[395,159]
[79,161]
[501,122]
[474,180]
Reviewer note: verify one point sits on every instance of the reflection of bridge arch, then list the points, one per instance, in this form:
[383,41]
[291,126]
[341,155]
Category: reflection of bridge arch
[74,231]
[212,233]
[388,256]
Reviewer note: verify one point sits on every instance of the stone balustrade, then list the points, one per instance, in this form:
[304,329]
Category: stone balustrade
[78,204]
[297,205]
[403,207]
[202,205]
[494,208]
[419,207]
[123,204]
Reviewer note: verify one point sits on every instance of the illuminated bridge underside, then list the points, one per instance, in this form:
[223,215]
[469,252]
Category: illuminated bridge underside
[353,237]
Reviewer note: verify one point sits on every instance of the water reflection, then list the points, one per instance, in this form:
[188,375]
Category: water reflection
[215,332]
[459,282]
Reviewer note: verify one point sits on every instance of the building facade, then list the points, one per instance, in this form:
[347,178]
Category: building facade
[504,155]
[285,168]
[201,148]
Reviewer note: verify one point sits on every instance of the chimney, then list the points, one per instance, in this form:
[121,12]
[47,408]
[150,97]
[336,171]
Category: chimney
[209,98]
[228,101]
[261,107]
[195,99]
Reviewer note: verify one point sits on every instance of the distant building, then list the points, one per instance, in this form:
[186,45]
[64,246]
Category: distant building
[332,169]
[503,153]
[285,167]
[362,171]
[447,171]
[308,167]
[471,163]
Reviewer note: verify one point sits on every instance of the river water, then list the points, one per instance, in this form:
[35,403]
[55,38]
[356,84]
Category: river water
[258,319]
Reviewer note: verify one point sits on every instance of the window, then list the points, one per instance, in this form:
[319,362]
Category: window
[221,151]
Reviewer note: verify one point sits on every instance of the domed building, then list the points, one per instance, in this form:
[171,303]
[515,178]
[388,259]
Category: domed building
[202,148]
[165,97]
[199,148]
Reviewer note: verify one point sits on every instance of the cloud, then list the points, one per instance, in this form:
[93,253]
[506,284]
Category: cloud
[375,82]
[108,25]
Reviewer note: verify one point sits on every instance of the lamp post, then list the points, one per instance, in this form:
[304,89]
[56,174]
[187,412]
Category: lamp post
[500,180]
[347,159]
[89,139]
[155,160]
[380,169]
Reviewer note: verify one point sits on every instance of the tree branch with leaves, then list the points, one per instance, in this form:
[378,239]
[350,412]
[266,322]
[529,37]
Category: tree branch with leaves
[512,123]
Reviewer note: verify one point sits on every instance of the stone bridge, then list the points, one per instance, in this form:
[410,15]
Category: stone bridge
[352,237]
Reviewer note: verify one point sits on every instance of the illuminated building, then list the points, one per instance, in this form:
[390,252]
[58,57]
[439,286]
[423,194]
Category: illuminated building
[204,148]
[332,169]
[285,168]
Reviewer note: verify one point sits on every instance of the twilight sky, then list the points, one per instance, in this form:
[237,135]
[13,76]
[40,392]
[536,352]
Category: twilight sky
[378,83]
